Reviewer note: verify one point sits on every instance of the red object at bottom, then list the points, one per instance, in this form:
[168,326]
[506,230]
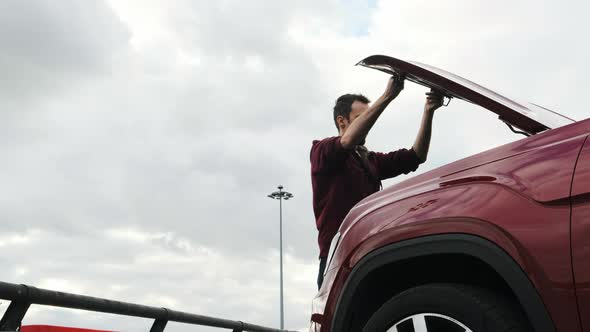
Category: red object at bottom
[49,328]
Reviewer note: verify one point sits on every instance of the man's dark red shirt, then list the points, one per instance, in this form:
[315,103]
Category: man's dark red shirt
[340,180]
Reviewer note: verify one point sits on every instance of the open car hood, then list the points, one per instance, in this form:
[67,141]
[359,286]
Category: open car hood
[530,118]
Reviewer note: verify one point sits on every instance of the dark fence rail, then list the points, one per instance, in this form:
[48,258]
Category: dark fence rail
[23,296]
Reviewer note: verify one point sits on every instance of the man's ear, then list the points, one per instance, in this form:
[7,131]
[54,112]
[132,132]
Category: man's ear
[341,121]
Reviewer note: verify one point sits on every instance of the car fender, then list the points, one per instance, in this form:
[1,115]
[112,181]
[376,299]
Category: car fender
[464,244]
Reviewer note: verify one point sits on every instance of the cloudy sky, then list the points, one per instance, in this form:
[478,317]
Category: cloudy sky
[139,139]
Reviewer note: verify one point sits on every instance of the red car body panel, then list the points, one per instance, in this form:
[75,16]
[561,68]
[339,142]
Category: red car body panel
[516,196]
[581,233]
[51,328]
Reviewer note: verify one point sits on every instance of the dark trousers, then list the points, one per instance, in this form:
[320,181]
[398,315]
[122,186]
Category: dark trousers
[321,272]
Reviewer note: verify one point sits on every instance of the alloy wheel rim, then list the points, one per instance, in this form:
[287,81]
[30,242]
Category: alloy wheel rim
[429,322]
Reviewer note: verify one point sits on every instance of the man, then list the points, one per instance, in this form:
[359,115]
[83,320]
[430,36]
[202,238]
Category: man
[343,172]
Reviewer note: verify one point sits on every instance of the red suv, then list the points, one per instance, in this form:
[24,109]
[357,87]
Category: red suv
[499,241]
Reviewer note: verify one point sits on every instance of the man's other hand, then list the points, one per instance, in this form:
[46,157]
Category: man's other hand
[434,100]
[394,87]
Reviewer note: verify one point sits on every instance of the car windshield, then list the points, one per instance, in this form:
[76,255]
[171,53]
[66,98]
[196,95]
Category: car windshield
[548,117]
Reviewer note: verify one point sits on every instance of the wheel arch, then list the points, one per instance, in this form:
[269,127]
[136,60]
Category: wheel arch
[475,249]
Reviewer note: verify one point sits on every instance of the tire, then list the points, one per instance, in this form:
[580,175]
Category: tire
[448,308]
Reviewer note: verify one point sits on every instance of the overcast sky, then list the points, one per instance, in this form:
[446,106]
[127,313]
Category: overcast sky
[139,139]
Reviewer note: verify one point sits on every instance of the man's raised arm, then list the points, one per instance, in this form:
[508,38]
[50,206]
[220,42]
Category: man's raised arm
[360,127]
[433,101]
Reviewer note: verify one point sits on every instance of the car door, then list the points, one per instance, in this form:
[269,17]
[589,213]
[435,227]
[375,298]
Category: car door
[581,233]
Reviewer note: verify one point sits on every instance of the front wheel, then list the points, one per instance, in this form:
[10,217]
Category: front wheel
[447,308]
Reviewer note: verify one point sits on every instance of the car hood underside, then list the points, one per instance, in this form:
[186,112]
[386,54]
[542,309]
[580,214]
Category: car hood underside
[530,118]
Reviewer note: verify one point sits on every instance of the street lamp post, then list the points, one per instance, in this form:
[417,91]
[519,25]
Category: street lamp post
[280,195]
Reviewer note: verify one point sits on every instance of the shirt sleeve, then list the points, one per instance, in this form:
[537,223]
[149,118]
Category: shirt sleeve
[398,162]
[327,154]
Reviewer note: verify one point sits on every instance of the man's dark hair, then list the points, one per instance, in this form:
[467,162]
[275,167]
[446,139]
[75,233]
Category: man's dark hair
[344,105]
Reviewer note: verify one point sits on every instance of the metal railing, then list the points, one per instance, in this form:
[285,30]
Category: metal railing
[23,296]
